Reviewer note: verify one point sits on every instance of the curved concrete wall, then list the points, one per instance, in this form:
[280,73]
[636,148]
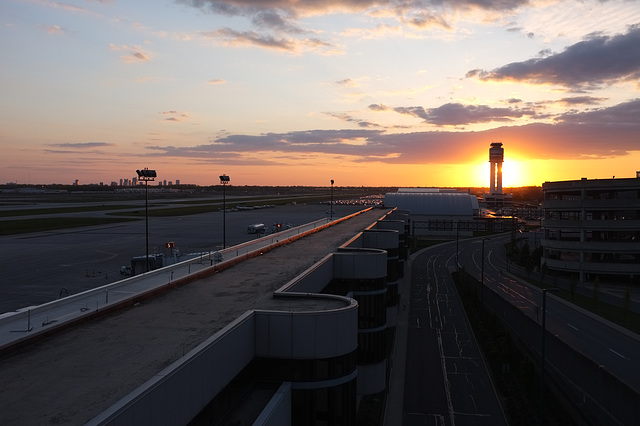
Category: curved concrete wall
[385,239]
[359,263]
[372,378]
[307,334]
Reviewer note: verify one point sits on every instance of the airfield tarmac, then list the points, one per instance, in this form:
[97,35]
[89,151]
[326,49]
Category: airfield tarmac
[42,266]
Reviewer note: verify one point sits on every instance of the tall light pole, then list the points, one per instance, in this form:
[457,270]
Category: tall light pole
[457,240]
[146,175]
[331,205]
[482,285]
[224,180]
[542,349]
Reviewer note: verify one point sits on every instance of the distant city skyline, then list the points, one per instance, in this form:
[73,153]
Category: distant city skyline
[282,93]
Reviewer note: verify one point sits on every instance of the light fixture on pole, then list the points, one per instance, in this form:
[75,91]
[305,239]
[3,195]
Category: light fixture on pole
[482,285]
[331,205]
[146,175]
[224,180]
[457,243]
[542,349]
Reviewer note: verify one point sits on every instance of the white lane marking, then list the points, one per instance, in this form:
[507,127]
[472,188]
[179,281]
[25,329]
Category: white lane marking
[575,328]
[620,355]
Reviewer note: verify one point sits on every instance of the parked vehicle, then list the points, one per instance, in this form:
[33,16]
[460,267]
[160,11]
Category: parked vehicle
[256,228]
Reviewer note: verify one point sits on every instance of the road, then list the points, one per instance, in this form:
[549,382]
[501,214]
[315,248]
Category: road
[446,381]
[40,267]
[617,350]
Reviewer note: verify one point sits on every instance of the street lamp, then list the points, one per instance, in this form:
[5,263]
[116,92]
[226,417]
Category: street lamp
[457,240]
[224,180]
[146,175]
[331,205]
[542,349]
[482,285]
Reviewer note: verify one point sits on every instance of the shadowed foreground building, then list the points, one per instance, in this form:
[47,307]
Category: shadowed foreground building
[592,228]
[309,356]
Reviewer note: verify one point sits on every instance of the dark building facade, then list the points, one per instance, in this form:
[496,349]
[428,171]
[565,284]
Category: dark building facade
[592,228]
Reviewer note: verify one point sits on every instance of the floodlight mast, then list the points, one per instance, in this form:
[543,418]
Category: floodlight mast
[224,180]
[331,205]
[146,175]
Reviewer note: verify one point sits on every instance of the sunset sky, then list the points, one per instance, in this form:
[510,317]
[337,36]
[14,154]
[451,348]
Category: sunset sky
[299,92]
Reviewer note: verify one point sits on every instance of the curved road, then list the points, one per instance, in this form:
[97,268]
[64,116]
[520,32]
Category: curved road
[446,381]
[615,349]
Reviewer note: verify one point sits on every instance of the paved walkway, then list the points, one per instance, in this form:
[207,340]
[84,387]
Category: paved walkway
[72,376]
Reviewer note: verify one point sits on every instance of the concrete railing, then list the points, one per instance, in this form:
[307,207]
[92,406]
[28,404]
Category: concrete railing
[31,322]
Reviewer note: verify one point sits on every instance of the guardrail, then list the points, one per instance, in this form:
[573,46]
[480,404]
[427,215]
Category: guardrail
[26,324]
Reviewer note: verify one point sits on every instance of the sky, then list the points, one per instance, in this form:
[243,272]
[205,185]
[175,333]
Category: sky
[299,92]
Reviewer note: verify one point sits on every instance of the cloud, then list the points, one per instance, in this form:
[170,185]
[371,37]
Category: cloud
[133,53]
[581,100]
[428,19]
[251,38]
[82,145]
[175,116]
[272,20]
[349,119]
[598,60]
[378,107]
[625,114]
[456,114]
[68,7]
[348,82]
[276,41]
[216,81]
[140,56]
[54,29]
[572,136]
[279,17]
[77,147]
[295,8]
[281,25]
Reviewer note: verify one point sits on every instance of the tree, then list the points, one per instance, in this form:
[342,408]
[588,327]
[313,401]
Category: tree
[573,282]
[596,292]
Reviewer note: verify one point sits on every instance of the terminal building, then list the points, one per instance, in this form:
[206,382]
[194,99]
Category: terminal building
[310,356]
[436,212]
[592,228]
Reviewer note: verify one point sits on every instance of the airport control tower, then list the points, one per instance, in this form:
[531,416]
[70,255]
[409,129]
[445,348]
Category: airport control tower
[496,158]
[495,199]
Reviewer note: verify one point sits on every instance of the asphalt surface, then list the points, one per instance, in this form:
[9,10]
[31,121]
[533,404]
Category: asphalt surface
[446,381]
[40,267]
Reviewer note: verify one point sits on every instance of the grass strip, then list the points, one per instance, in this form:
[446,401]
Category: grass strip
[621,315]
[21,226]
[58,210]
[208,208]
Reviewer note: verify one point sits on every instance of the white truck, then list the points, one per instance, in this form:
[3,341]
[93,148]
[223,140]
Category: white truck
[256,228]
